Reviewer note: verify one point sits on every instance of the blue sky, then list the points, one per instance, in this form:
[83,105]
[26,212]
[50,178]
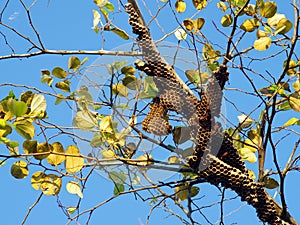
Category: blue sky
[67,25]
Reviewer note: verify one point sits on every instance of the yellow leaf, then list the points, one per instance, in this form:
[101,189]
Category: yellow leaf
[261,34]
[262,44]
[222,6]
[268,9]
[42,148]
[96,19]
[181,192]
[248,155]
[144,160]
[36,179]
[293,66]
[294,101]
[56,159]
[71,210]
[106,125]
[19,169]
[296,85]
[174,160]
[274,20]
[250,25]
[226,20]
[121,33]
[180,34]
[244,121]
[74,160]
[51,184]
[188,24]
[120,89]
[251,144]
[180,6]
[250,10]
[25,128]
[251,174]
[198,24]
[38,105]
[283,26]
[74,188]
[108,154]
[200,4]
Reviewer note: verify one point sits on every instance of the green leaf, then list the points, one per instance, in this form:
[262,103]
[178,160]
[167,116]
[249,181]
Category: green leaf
[17,108]
[226,20]
[63,85]
[104,13]
[71,210]
[96,141]
[19,170]
[117,177]
[262,43]
[56,159]
[59,73]
[73,63]
[270,183]
[109,6]
[131,82]
[209,53]
[181,134]
[38,106]
[149,90]
[85,120]
[74,188]
[13,147]
[118,188]
[25,129]
[182,192]
[30,146]
[74,160]
[59,99]
[197,78]
[120,33]
[119,64]
[284,106]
